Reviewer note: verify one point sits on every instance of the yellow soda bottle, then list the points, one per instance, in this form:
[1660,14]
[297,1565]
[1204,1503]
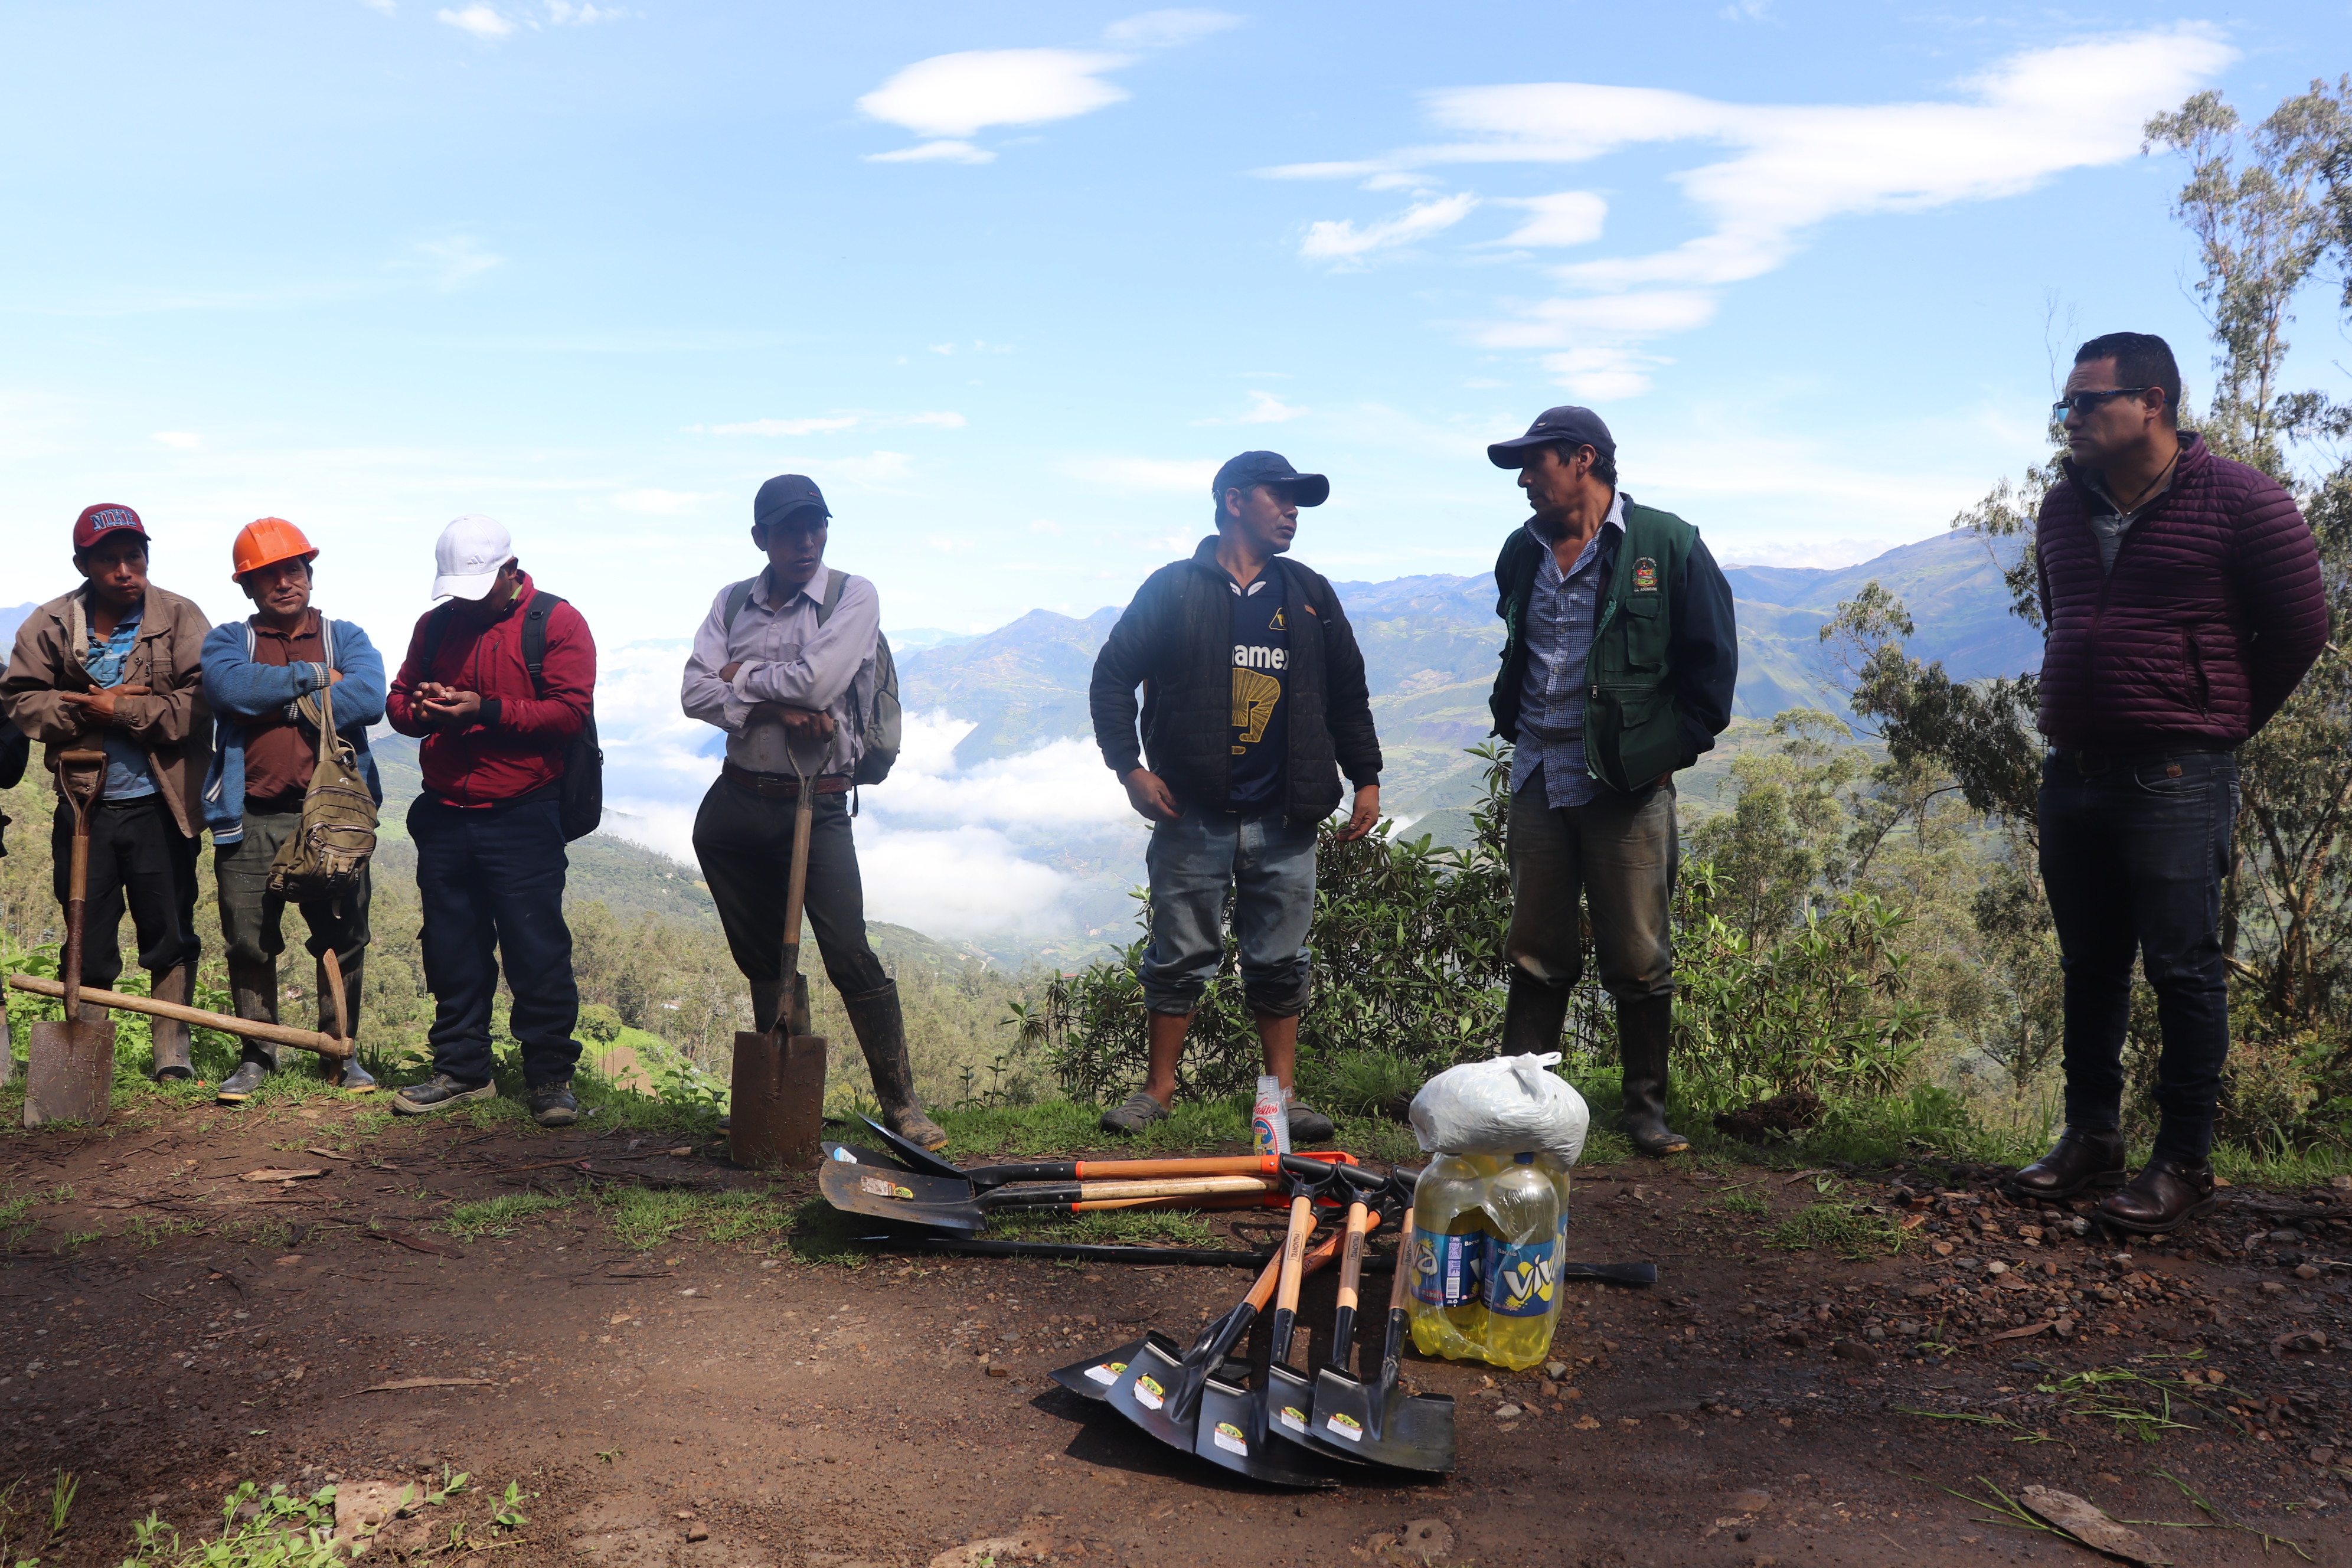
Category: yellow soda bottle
[1448,1307]
[1522,1286]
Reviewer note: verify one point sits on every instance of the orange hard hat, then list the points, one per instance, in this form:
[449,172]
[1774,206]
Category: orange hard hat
[266,540]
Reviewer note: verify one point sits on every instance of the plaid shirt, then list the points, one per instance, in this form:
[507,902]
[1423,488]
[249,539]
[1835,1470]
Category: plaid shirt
[1560,615]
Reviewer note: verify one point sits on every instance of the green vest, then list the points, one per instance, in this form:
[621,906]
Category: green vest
[1633,732]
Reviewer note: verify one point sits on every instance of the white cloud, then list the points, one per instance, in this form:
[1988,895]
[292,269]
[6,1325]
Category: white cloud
[479,20]
[878,468]
[1133,476]
[959,95]
[660,503]
[833,424]
[454,258]
[1264,408]
[385,6]
[185,440]
[960,882]
[1571,218]
[1341,240]
[2028,119]
[565,14]
[1167,29]
[946,152]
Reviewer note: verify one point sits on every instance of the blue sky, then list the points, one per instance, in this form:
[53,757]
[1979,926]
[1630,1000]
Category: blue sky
[1010,281]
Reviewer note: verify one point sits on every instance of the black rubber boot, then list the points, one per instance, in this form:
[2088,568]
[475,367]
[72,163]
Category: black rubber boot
[1533,1015]
[1644,1030]
[253,993]
[347,1075]
[169,1035]
[882,1035]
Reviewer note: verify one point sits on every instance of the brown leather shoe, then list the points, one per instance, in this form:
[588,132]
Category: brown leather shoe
[2165,1195]
[2085,1157]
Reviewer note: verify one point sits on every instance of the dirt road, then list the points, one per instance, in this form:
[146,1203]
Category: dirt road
[686,1390]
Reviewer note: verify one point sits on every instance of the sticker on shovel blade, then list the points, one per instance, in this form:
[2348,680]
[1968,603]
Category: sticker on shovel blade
[1344,1425]
[1107,1372]
[844,1156]
[1149,1395]
[1293,1418]
[882,1187]
[1229,1437]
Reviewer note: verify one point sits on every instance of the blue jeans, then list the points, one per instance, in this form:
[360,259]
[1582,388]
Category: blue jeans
[1268,864]
[2132,859]
[491,884]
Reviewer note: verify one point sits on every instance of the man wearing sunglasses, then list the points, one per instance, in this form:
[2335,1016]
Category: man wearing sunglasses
[2182,601]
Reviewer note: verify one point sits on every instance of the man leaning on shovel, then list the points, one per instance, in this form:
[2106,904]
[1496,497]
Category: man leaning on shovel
[116,665]
[263,677]
[785,662]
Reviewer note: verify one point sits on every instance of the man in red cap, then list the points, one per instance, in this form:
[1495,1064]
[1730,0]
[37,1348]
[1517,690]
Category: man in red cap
[263,677]
[116,664]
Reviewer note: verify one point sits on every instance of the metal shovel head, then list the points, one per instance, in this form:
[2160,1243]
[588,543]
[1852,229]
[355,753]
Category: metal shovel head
[776,1101]
[1233,1432]
[1091,1378]
[1381,1423]
[72,1074]
[1160,1389]
[912,1154]
[880,1192]
[1289,1414]
[857,1155]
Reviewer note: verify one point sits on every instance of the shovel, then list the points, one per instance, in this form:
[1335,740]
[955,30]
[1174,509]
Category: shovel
[776,1098]
[970,1183]
[71,1076]
[1288,1394]
[879,1193]
[1377,1420]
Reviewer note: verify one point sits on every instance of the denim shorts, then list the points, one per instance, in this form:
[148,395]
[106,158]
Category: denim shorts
[1267,863]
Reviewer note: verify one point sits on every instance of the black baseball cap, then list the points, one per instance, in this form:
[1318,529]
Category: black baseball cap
[1252,469]
[784,494]
[1576,427]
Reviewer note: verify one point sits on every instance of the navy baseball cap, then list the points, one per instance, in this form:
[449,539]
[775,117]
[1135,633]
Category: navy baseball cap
[784,494]
[1576,427]
[1253,468]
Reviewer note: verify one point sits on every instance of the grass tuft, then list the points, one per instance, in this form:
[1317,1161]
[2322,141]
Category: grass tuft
[498,1216]
[1844,1230]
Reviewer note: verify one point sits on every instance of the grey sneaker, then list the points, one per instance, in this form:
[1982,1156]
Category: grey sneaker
[1139,1112]
[551,1105]
[238,1086]
[440,1092]
[1308,1125]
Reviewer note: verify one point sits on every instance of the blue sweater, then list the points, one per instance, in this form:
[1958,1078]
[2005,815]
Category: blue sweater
[236,688]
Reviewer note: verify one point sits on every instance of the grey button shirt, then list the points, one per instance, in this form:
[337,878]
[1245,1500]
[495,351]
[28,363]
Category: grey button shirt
[787,658]
[1560,638]
[2110,526]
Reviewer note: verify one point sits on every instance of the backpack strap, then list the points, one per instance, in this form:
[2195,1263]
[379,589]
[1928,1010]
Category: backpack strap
[738,597]
[534,639]
[437,628]
[832,595]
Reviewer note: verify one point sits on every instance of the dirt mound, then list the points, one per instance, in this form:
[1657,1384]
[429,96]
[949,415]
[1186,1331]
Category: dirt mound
[1782,1116]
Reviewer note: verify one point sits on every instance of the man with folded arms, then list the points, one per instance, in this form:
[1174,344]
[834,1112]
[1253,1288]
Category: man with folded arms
[262,676]
[1255,704]
[786,660]
[2183,602]
[116,665]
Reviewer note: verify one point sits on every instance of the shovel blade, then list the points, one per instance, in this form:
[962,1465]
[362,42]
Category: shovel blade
[881,1193]
[1232,1432]
[1159,1393]
[1382,1423]
[914,1155]
[776,1101]
[1091,1378]
[1290,1414]
[72,1074]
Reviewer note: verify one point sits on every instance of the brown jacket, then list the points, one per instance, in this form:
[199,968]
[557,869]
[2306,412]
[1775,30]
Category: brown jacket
[173,724]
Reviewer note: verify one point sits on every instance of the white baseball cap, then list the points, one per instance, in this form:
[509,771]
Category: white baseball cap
[468,555]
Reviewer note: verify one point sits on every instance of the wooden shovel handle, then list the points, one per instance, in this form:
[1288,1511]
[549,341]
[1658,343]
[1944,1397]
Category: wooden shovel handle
[1400,1288]
[1189,1186]
[1204,1165]
[1360,1221]
[1263,1291]
[1294,1254]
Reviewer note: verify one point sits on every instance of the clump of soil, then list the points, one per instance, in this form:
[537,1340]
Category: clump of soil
[1782,1116]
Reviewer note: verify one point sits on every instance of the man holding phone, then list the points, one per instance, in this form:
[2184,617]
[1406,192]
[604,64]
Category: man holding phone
[488,826]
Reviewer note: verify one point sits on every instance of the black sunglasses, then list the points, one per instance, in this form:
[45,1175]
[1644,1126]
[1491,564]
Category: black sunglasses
[2084,402]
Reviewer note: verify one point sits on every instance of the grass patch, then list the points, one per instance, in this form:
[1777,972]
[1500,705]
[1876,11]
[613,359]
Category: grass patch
[1748,1205]
[1156,1227]
[1062,1127]
[498,1216]
[1367,1083]
[816,1232]
[644,1218]
[1842,1229]
[275,1529]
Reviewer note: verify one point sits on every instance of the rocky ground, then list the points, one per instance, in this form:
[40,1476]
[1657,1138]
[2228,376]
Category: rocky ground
[655,1374]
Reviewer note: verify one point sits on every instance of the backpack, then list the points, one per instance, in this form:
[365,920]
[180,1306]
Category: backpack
[327,857]
[879,721]
[582,810]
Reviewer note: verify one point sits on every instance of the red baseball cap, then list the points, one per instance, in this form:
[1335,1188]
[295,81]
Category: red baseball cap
[97,521]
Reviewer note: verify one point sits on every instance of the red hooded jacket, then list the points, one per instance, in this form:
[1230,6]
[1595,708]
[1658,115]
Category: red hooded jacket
[514,747]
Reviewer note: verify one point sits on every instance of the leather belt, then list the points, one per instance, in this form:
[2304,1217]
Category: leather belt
[780,786]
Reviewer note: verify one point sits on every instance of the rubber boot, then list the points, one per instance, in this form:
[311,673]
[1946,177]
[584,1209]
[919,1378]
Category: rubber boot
[1533,1015]
[171,1035]
[882,1035]
[1644,1029]
[253,992]
[347,1075]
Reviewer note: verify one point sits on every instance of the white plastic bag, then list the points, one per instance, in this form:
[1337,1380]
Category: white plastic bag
[1507,1105]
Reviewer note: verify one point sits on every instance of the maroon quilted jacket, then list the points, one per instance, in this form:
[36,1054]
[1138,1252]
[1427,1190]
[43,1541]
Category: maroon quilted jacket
[2214,611]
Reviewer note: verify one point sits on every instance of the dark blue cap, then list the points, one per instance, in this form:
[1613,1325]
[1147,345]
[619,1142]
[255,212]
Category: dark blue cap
[786,493]
[1253,468]
[1576,427]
